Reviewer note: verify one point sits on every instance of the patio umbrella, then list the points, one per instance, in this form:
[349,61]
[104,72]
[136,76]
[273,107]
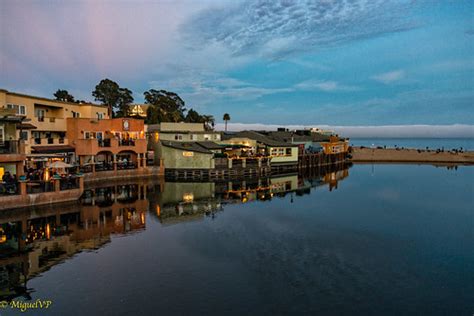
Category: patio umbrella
[60,165]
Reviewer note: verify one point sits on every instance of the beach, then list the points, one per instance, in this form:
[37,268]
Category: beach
[364,154]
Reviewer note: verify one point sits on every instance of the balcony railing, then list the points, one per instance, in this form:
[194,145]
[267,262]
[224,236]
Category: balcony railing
[104,142]
[126,142]
[9,147]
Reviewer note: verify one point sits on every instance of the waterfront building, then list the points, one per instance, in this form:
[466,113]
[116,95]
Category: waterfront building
[335,145]
[44,134]
[108,144]
[182,132]
[197,139]
[12,149]
[185,155]
[281,153]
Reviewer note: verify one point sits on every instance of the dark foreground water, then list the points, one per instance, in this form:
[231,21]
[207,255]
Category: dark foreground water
[384,239]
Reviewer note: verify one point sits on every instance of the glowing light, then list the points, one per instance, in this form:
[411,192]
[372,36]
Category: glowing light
[48,231]
[158,210]
[188,197]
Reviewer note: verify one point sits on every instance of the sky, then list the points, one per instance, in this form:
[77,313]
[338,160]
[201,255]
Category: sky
[292,62]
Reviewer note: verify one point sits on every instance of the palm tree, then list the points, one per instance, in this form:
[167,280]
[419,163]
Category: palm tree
[226,118]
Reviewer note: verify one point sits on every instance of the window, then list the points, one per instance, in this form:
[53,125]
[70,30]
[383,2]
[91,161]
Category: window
[99,135]
[207,137]
[24,135]
[194,137]
[76,114]
[217,137]
[178,137]
[87,135]
[19,109]
[100,116]
[288,151]
[40,114]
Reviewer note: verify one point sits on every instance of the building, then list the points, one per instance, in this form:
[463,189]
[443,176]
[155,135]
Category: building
[198,139]
[335,145]
[182,132]
[185,155]
[138,110]
[281,153]
[108,144]
[44,134]
[12,150]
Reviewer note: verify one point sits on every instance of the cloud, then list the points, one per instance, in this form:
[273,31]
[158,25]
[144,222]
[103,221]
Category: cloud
[389,77]
[275,29]
[326,86]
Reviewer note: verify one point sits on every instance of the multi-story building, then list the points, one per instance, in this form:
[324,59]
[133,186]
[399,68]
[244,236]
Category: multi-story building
[109,144]
[182,132]
[12,150]
[45,132]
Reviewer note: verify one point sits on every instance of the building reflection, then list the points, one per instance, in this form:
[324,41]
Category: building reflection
[34,240]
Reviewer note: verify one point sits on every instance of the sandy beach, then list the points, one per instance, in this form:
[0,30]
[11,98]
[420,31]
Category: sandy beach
[410,155]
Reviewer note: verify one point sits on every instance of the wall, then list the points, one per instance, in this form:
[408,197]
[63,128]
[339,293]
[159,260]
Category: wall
[285,159]
[174,159]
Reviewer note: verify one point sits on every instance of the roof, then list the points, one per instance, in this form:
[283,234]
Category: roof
[50,100]
[52,149]
[210,145]
[186,146]
[262,139]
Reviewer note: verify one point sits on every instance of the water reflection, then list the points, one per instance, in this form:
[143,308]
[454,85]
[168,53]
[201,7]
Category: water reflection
[34,240]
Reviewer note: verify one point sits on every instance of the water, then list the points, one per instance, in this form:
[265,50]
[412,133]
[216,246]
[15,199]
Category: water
[422,143]
[383,239]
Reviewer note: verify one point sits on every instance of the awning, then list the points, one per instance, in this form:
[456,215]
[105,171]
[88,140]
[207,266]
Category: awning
[52,149]
[25,126]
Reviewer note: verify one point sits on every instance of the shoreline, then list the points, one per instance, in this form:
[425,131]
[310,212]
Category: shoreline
[420,156]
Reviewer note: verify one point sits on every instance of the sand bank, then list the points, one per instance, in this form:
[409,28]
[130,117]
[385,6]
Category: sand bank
[410,155]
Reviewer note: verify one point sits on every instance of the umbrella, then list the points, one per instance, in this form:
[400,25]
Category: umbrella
[60,165]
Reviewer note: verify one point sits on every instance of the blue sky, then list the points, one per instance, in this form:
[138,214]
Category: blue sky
[271,62]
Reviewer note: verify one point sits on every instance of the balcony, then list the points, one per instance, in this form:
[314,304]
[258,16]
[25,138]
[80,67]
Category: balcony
[48,141]
[10,147]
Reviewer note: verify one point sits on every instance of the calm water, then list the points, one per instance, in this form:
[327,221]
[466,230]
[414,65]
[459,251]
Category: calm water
[433,143]
[383,239]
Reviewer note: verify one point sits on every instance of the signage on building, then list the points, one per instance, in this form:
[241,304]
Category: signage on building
[188,154]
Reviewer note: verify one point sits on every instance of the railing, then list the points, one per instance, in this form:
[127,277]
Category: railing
[104,142]
[9,147]
[9,188]
[105,166]
[33,187]
[126,142]
[69,183]
[127,165]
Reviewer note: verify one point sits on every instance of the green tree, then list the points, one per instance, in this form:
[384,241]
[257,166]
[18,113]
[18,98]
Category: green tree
[63,95]
[165,106]
[226,118]
[109,93]
[193,117]
[208,122]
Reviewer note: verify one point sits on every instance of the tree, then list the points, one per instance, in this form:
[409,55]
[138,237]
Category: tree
[208,122]
[193,117]
[110,94]
[165,106]
[226,118]
[63,95]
